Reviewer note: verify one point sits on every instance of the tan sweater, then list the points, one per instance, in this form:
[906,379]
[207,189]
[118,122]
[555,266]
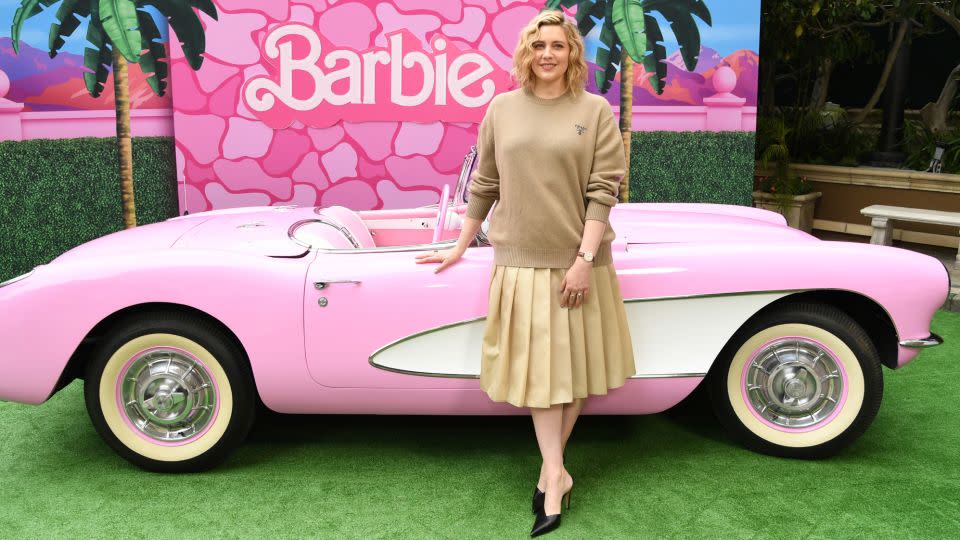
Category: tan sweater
[552,164]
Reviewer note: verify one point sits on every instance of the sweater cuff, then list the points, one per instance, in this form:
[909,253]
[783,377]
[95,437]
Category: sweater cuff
[478,207]
[597,211]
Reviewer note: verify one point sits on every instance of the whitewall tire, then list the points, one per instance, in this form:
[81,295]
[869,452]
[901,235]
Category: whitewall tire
[170,392]
[799,380]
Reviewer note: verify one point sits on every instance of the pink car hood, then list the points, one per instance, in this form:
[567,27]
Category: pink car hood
[261,231]
[264,230]
[660,223]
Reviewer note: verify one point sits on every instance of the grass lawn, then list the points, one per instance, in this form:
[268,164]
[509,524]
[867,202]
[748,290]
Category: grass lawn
[670,475]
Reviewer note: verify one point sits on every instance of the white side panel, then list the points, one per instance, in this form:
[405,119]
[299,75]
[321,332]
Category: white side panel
[685,335]
[670,337]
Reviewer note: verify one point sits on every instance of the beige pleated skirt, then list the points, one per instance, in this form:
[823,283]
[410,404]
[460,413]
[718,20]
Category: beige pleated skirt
[536,353]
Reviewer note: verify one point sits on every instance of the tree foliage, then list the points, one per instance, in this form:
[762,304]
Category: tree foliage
[123,25]
[628,26]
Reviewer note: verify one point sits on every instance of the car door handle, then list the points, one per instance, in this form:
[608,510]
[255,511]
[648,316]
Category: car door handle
[320,285]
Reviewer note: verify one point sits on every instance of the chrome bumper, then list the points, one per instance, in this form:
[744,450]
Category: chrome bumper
[931,341]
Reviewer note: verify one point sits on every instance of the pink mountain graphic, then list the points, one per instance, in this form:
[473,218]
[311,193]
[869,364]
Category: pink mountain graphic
[44,84]
[683,87]
[708,59]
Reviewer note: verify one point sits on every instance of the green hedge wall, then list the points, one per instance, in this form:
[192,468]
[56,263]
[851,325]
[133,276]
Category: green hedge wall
[692,166]
[57,194]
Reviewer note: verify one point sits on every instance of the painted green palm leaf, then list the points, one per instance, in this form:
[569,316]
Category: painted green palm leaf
[680,13]
[153,58]
[186,25]
[68,17]
[608,55]
[654,63]
[588,13]
[628,20]
[96,59]
[27,9]
[119,21]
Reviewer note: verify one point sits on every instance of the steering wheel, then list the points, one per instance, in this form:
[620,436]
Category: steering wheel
[441,212]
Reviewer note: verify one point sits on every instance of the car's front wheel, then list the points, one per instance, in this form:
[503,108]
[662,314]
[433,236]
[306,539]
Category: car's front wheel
[801,380]
[170,392]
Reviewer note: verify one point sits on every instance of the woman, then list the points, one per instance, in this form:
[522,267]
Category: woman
[556,332]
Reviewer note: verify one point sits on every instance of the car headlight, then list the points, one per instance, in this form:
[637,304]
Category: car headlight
[18,278]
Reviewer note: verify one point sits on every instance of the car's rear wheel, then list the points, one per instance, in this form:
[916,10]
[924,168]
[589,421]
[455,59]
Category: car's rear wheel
[801,380]
[170,392]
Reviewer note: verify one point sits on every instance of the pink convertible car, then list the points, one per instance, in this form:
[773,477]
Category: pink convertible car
[180,329]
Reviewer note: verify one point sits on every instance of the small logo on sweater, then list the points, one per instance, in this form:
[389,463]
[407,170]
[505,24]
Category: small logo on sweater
[580,129]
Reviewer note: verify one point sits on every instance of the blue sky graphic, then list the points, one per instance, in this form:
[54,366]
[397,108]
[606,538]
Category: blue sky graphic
[36,30]
[736,25]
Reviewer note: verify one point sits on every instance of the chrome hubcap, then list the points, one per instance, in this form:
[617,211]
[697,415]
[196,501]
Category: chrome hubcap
[794,383]
[168,395]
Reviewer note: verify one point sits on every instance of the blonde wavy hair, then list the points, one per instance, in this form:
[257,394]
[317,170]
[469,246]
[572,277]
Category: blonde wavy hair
[576,75]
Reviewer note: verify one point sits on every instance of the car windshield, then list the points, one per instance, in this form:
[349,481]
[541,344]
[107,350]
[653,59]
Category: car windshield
[461,194]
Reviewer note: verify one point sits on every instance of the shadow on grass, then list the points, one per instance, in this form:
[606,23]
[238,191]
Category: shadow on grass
[686,427]
[688,430]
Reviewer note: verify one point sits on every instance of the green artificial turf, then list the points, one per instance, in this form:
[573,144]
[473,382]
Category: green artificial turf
[671,475]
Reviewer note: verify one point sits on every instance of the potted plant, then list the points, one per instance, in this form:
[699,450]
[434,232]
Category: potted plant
[783,191]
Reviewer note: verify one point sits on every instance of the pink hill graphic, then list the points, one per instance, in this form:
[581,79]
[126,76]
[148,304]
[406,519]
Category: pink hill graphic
[709,59]
[45,84]
[683,87]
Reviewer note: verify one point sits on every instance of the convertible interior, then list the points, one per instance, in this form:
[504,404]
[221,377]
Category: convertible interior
[338,227]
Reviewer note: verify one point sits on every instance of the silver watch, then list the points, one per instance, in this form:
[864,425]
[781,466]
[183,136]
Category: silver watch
[587,256]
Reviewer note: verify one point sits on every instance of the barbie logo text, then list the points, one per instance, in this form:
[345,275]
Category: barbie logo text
[395,83]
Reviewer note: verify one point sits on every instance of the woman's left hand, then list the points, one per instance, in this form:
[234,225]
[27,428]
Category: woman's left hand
[576,284]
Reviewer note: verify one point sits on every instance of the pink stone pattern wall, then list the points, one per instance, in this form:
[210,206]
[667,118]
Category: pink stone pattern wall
[227,157]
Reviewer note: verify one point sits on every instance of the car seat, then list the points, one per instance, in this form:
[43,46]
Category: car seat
[353,222]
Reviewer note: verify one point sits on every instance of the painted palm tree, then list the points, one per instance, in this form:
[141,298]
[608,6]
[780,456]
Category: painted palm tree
[628,25]
[118,32]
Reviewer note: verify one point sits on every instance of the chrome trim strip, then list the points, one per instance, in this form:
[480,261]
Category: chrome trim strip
[293,229]
[421,373]
[325,221]
[21,277]
[388,249]
[923,343]
[669,376]
[710,295]
[460,376]
[424,332]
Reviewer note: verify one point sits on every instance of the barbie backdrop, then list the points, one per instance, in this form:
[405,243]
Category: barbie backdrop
[372,104]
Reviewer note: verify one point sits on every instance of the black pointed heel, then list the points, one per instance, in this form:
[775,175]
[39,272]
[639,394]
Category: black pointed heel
[544,523]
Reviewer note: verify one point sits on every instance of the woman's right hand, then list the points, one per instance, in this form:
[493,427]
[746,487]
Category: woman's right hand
[445,257]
